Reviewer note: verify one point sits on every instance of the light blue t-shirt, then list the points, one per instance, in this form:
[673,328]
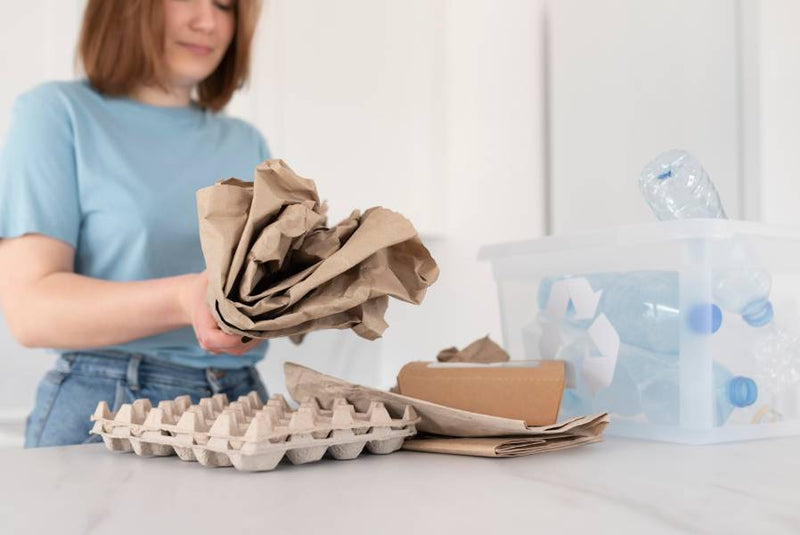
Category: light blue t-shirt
[116,179]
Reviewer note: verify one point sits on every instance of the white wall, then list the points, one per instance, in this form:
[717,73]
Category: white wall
[778,77]
[38,40]
[349,93]
[629,80]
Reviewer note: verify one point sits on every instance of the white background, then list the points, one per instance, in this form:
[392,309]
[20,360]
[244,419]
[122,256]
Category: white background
[482,121]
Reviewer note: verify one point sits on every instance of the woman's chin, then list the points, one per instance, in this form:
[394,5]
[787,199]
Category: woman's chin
[190,79]
[192,74]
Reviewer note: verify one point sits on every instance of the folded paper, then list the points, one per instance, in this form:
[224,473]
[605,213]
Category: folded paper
[589,432]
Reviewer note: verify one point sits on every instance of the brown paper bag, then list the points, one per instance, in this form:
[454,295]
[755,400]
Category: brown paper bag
[275,268]
[590,432]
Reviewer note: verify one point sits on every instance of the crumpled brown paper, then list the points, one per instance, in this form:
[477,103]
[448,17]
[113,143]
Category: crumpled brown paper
[275,268]
[483,350]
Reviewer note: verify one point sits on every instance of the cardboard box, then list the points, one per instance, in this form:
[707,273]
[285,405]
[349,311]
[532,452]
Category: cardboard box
[521,390]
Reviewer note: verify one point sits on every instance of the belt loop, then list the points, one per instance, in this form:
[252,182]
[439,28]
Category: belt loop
[254,374]
[66,362]
[212,378]
[132,375]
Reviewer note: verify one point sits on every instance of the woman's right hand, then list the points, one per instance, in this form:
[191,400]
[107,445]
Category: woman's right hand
[210,337]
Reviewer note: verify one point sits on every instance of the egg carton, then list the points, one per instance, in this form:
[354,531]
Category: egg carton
[250,435]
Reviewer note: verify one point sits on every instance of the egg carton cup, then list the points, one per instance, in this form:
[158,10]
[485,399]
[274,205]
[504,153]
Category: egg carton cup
[250,435]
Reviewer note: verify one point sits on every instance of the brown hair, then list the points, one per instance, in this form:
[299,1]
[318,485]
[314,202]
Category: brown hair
[122,45]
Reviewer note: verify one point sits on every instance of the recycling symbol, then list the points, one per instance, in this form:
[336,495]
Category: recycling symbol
[597,371]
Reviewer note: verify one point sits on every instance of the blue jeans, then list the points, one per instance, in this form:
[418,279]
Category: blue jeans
[69,393]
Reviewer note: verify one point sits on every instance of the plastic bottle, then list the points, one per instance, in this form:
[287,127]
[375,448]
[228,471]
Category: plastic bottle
[636,371]
[745,291]
[575,400]
[646,383]
[642,306]
[777,357]
[676,186]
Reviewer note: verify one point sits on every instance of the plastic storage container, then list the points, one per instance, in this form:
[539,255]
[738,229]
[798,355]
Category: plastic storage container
[711,387]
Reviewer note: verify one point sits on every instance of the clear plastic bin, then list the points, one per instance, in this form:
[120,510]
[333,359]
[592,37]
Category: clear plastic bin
[683,384]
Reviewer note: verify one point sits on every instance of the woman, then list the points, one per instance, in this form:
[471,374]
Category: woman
[99,251]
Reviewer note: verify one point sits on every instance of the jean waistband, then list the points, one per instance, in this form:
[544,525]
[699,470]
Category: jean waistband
[136,368]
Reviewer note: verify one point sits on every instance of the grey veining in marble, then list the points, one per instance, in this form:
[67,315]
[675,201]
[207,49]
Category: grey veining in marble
[618,486]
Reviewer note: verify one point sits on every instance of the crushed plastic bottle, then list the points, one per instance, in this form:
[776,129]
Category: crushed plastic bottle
[745,291]
[642,306]
[777,359]
[647,383]
[676,186]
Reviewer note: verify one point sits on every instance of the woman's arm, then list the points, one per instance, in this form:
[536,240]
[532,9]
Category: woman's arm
[47,305]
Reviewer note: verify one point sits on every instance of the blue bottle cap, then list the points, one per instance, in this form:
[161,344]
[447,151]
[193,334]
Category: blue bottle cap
[705,318]
[742,391]
[758,313]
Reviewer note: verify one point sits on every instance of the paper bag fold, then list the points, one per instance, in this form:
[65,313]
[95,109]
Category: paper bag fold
[590,432]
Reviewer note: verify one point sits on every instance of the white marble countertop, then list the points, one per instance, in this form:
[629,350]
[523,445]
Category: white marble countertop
[618,486]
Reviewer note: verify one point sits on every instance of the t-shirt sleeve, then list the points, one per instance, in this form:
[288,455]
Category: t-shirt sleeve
[38,182]
[263,148]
